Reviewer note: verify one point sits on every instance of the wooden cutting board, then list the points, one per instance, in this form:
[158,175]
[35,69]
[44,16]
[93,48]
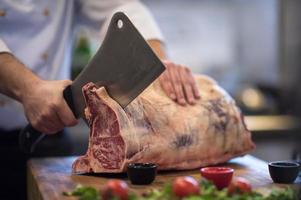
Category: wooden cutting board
[48,178]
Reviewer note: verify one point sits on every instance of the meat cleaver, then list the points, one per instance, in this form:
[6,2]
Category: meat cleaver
[124,64]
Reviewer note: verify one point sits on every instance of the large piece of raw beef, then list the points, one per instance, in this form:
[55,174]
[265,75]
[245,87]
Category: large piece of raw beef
[155,129]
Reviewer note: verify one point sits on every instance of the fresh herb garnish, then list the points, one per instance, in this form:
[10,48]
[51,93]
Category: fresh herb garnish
[84,193]
[208,192]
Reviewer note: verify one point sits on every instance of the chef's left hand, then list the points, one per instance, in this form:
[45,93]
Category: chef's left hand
[179,84]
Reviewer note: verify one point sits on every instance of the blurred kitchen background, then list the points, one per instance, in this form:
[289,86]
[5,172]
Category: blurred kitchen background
[252,48]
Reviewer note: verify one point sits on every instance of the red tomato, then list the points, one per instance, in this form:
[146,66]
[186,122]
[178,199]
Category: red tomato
[239,185]
[115,188]
[185,186]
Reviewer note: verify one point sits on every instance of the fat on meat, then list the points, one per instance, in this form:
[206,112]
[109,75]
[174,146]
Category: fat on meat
[155,129]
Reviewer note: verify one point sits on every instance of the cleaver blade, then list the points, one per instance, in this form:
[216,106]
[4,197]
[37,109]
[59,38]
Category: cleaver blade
[124,64]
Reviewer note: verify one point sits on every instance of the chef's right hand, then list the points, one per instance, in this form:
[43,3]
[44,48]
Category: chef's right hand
[45,107]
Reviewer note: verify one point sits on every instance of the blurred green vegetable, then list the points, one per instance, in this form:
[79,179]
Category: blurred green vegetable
[208,192]
[84,193]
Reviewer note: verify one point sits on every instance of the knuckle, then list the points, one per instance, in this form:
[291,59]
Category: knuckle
[186,81]
[181,67]
[178,86]
[187,69]
[180,92]
[44,116]
[35,124]
[187,86]
[177,68]
[52,129]
[69,120]
[169,67]
[163,85]
[72,123]
[168,85]
[177,82]
[39,122]
[172,66]
[69,123]
[164,76]
[53,105]
[166,62]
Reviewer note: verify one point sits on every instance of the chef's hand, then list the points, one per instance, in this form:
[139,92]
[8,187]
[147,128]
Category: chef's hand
[45,107]
[43,102]
[179,84]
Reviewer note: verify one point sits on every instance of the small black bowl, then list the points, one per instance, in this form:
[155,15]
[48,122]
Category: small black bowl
[141,173]
[284,171]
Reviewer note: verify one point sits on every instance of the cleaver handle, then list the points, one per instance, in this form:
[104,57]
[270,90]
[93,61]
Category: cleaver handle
[29,137]
[67,93]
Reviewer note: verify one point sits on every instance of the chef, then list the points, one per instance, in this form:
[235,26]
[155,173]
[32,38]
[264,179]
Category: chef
[35,54]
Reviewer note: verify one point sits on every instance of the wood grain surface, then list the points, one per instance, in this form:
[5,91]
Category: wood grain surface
[48,178]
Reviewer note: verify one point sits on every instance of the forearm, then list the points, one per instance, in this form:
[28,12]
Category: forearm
[15,78]
[158,48]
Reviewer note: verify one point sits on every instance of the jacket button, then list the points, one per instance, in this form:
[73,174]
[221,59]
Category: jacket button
[46,12]
[2,13]
[44,56]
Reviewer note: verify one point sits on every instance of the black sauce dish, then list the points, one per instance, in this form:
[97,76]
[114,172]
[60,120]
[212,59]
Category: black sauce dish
[141,173]
[284,171]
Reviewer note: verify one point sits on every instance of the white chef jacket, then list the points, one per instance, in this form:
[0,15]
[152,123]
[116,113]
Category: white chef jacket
[39,33]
